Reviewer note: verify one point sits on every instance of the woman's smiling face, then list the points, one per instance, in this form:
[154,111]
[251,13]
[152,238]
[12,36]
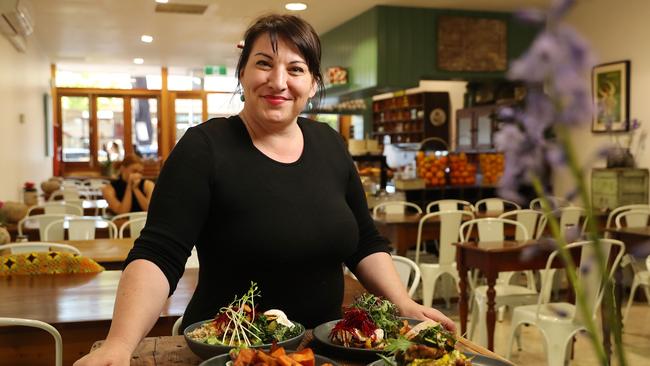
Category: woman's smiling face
[277,85]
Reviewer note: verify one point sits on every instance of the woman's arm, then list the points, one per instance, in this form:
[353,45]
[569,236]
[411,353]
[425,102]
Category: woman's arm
[141,295]
[117,206]
[144,197]
[378,275]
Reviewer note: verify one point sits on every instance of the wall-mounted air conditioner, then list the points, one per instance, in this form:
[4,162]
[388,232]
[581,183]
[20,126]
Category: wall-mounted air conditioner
[16,22]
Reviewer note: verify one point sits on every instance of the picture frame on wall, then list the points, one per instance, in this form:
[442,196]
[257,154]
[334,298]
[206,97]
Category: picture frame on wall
[610,87]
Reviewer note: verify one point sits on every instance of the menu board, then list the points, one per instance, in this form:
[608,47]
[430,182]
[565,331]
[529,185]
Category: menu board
[471,44]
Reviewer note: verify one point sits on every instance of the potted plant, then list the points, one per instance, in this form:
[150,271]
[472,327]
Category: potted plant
[30,194]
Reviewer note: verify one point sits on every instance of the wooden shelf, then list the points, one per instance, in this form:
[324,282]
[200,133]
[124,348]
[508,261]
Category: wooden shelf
[398,133]
[416,106]
[400,120]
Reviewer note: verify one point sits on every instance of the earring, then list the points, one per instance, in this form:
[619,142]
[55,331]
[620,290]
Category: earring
[310,105]
[241,97]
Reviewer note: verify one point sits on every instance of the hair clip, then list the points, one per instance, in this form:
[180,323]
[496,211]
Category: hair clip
[240,45]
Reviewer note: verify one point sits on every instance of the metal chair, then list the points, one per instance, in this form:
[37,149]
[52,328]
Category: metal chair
[42,221]
[58,341]
[449,205]
[408,272]
[555,202]
[395,207]
[37,246]
[176,327]
[135,227]
[450,222]
[496,205]
[79,228]
[560,322]
[612,215]
[58,207]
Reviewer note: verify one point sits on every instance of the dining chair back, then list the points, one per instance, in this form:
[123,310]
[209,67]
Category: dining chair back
[554,203]
[58,341]
[449,205]
[449,223]
[489,229]
[633,218]
[612,215]
[395,207]
[37,246]
[534,222]
[572,216]
[135,227]
[79,228]
[58,207]
[42,221]
[496,205]
[408,272]
[66,194]
[176,328]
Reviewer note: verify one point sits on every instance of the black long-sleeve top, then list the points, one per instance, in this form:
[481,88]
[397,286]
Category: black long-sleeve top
[287,227]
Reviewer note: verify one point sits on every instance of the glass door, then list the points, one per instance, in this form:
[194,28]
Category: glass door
[110,123]
[144,127]
[189,110]
[76,131]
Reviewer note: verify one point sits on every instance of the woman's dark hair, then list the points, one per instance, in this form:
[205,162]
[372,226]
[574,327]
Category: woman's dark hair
[291,29]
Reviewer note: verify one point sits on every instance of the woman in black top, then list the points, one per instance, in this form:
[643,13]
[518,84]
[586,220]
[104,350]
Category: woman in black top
[129,192]
[264,196]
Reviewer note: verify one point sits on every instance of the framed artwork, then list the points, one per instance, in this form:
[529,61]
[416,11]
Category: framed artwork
[610,87]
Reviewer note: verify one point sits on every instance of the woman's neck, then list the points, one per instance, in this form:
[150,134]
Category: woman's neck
[280,142]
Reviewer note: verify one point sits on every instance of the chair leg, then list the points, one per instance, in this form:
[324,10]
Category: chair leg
[479,322]
[428,286]
[646,288]
[635,285]
[514,334]
[556,352]
[501,313]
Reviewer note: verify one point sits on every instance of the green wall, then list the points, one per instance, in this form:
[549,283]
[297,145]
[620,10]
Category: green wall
[389,48]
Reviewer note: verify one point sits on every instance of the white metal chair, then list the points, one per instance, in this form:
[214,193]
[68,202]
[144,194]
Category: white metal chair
[559,322]
[193,260]
[58,341]
[449,205]
[42,221]
[555,202]
[129,216]
[66,194]
[79,228]
[58,207]
[37,246]
[408,272]
[495,205]
[395,207]
[535,223]
[450,222]
[636,218]
[176,328]
[492,230]
[135,227]
[572,216]
[612,215]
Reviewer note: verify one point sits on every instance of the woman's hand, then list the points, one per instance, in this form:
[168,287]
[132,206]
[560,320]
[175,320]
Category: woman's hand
[134,179]
[106,355]
[414,310]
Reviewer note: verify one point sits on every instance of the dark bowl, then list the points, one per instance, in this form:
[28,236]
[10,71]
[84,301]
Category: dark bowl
[222,360]
[477,360]
[205,351]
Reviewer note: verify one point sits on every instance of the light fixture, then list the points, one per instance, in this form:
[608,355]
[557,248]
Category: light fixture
[295,6]
[146,38]
[138,61]
[162,1]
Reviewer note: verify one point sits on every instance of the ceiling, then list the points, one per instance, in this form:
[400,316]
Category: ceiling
[107,32]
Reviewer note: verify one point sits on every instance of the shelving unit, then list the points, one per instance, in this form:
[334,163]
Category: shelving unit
[411,117]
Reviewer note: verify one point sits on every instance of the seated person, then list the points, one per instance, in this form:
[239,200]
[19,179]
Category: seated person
[129,192]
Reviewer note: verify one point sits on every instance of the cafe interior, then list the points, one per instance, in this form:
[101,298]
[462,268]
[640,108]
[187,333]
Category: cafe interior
[502,153]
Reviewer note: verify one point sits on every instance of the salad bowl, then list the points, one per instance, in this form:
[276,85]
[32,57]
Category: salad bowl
[206,351]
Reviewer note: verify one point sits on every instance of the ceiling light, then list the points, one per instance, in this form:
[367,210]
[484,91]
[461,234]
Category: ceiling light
[146,38]
[295,6]
[162,1]
[138,61]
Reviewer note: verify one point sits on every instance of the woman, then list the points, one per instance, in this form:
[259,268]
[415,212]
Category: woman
[129,192]
[265,196]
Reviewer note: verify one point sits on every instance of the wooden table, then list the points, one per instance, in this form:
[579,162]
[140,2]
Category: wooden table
[110,253]
[171,351]
[492,258]
[402,229]
[80,306]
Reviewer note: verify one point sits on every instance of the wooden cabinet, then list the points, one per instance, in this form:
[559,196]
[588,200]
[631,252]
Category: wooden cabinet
[475,128]
[411,117]
[611,188]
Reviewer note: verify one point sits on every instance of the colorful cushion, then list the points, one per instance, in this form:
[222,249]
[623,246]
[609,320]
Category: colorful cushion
[52,262]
